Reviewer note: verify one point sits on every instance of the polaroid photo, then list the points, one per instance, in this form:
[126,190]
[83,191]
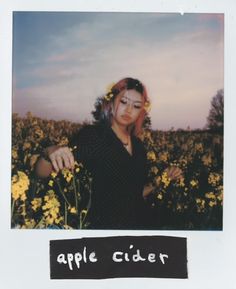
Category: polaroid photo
[118,127]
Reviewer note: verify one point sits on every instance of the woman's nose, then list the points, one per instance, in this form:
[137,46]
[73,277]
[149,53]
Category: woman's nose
[128,107]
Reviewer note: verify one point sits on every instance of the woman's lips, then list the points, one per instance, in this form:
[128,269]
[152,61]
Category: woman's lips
[126,117]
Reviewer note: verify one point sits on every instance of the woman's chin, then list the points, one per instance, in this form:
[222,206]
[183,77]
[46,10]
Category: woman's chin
[125,123]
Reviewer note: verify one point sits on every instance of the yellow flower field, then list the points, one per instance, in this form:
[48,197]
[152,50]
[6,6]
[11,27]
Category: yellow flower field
[193,202]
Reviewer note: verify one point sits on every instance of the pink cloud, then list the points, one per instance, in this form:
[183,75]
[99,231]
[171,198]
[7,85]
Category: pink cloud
[212,16]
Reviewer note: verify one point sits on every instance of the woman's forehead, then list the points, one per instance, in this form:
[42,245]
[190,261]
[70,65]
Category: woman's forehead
[133,95]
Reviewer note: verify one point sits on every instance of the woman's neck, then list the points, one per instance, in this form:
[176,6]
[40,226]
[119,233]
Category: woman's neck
[123,134]
[120,130]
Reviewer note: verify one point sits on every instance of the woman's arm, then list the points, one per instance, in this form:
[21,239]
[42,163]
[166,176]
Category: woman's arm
[54,158]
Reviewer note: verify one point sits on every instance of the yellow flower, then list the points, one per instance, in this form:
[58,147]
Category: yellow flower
[214,179]
[207,160]
[23,197]
[146,135]
[165,180]
[20,184]
[151,156]
[194,183]
[147,106]
[38,132]
[181,182]
[67,175]
[73,210]
[58,220]
[50,183]
[210,195]
[163,156]
[36,203]
[160,196]
[200,205]
[53,175]
[64,141]
[29,224]
[26,146]
[108,96]
[220,197]
[199,147]
[212,203]
[77,170]
[14,154]
[51,208]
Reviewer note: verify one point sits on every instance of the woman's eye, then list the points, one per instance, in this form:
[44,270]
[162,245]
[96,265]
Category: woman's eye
[123,101]
[137,106]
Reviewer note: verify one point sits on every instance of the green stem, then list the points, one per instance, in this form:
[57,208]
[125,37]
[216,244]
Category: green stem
[76,199]
[12,208]
[60,189]
[90,195]
[82,221]
[65,214]
[37,191]
[81,226]
[39,223]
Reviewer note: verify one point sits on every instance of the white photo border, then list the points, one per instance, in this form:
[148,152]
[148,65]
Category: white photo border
[25,253]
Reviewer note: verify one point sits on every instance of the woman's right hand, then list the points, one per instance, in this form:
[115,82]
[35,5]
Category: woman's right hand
[60,157]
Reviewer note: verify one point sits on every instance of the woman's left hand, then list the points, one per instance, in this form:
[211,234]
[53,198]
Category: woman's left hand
[174,173]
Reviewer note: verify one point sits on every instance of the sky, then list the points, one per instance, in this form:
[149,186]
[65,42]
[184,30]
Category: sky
[62,61]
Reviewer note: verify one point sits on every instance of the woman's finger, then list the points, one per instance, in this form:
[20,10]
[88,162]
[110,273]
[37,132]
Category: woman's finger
[64,157]
[174,172]
[69,158]
[177,173]
[61,158]
[66,161]
[59,161]
[54,163]
[72,161]
[170,172]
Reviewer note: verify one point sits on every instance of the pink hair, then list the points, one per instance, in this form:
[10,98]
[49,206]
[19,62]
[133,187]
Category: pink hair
[130,83]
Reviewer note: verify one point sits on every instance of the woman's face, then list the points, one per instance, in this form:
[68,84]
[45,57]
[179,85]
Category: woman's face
[127,107]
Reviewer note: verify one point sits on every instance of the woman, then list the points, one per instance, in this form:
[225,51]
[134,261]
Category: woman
[111,150]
